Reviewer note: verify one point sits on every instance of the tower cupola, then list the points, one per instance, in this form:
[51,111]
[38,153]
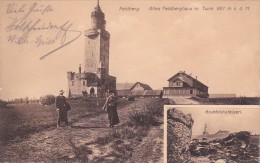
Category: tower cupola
[98,18]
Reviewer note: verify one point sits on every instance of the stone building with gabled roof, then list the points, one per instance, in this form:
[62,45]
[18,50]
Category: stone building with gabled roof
[182,84]
[95,79]
[132,86]
[137,89]
[140,86]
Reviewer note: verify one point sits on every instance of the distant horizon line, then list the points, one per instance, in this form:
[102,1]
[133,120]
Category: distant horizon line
[37,97]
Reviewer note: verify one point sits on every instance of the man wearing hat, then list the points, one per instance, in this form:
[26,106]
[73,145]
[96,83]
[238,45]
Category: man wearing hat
[62,105]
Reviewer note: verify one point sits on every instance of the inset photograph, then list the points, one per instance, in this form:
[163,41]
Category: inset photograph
[212,134]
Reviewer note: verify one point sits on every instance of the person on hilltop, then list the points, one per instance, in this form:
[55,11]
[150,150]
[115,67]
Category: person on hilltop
[111,107]
[62,107]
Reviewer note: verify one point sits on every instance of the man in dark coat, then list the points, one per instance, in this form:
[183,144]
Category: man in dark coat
[110,106]
[62,105]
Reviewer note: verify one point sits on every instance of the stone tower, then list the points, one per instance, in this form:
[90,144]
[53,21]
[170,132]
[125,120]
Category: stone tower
[205,132]
[94,79]
[97,44]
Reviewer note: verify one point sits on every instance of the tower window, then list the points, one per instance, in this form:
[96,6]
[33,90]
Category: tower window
[84,82]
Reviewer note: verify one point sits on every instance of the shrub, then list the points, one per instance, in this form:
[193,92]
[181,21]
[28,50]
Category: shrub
[122,141]
[3,103]
[117,136]
[155,111]
[167,101]
[131,98]
[114,134]
[142,119]
[47,100]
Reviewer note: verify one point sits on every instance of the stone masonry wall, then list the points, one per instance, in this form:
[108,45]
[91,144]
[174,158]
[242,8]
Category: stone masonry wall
[92,52]
[104,54]
[76,88]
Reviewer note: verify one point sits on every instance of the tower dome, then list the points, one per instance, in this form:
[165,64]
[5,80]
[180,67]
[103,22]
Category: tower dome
[98,18]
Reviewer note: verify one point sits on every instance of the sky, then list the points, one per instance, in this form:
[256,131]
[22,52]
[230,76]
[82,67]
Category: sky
[246,121]
[221,48]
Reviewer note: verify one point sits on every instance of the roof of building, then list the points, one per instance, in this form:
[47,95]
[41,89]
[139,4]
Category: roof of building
[124,86]
[180,79]
[222,95]
[145,86]
[182,73]
[130,86]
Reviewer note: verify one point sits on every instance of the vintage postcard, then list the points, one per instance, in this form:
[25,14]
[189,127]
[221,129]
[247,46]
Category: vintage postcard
[210,133]
[86,80]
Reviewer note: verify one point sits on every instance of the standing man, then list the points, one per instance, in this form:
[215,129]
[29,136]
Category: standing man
[110,106]
[62,105]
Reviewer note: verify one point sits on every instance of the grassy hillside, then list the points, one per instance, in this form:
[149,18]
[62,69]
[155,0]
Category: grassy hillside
[28,132]
[23,119]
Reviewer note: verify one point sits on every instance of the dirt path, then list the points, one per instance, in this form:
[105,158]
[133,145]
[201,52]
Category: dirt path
[63,142]
[183,101]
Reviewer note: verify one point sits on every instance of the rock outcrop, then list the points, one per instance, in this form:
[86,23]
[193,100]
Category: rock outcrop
[236,147]
[179,135]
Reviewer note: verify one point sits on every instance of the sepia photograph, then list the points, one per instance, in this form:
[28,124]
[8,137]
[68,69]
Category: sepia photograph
[212,133]
[87,80]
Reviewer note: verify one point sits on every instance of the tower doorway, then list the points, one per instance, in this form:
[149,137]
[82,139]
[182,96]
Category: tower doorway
[92,92]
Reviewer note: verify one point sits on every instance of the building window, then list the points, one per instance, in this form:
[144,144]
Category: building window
[84,82]
[191,91]
[178,83]
[73,83]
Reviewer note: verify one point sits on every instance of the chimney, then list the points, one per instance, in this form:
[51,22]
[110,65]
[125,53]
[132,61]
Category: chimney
[79,68]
